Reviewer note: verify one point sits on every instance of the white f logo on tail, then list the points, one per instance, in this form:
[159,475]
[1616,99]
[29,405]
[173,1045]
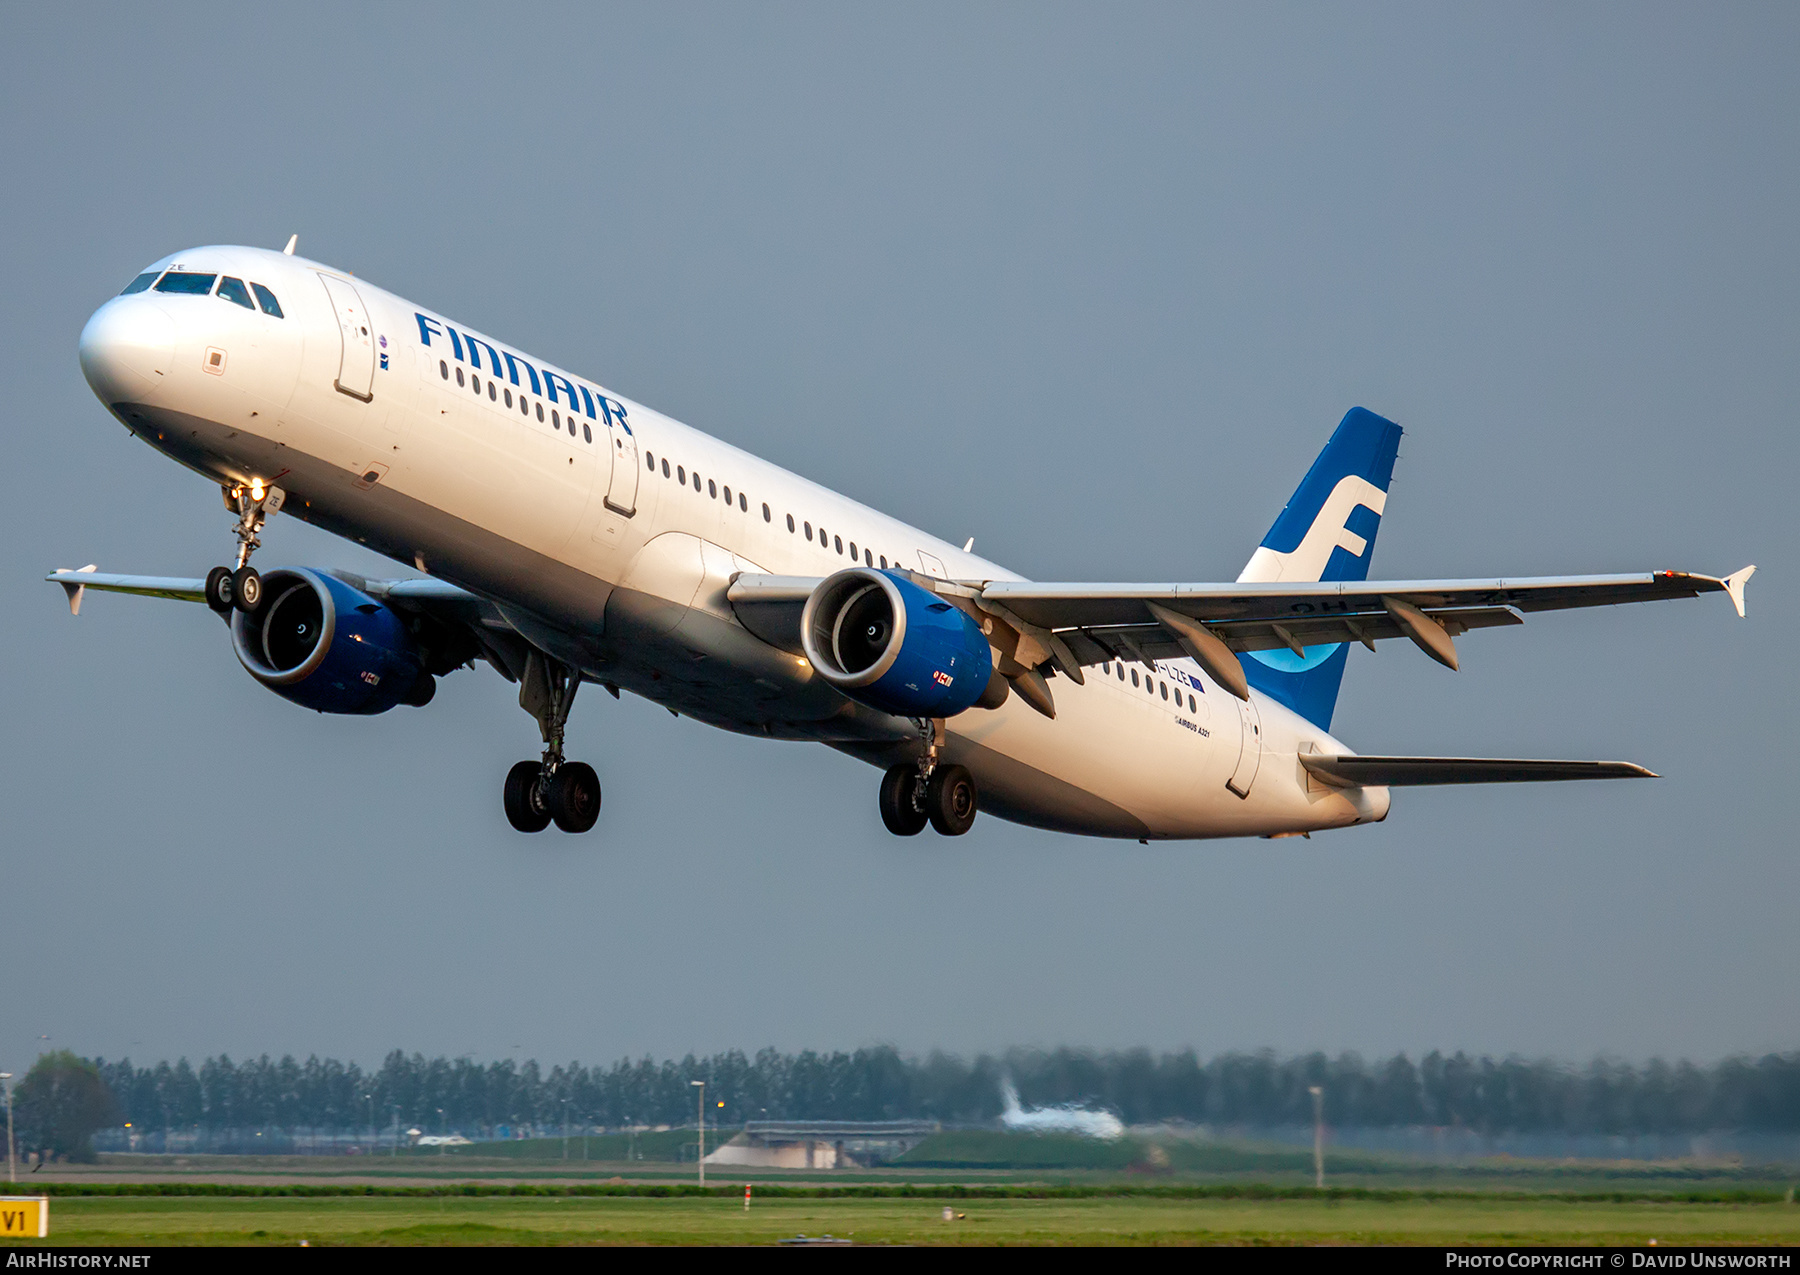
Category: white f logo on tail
[1306,561]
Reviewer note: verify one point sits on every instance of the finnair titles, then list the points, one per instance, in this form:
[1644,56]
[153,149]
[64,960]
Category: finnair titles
[569,537]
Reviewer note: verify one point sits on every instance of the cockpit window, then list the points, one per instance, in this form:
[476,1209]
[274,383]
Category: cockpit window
[234,291]
[184,281]
[269,304]
[140,283]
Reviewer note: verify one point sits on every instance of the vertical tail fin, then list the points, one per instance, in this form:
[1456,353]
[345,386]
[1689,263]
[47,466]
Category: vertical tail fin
[1326,532]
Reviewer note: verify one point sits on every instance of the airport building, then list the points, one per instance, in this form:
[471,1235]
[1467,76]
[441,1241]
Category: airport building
[822,1144]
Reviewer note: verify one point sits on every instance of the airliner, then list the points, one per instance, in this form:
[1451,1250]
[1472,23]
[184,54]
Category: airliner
[568,536]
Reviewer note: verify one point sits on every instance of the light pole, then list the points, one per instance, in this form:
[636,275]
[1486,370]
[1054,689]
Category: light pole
[1318,1096]
[701,1086]
[12,1173]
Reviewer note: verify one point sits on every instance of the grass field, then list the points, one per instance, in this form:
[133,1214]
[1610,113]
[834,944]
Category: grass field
[1117,1220]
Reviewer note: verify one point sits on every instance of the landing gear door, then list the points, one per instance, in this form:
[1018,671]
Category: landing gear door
[356,368]
[621,491]
[1249,748]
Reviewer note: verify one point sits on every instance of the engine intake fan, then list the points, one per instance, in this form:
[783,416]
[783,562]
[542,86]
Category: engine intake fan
[329,647]
[885,642]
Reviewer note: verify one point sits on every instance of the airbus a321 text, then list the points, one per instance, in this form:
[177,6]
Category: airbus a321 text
[569,536]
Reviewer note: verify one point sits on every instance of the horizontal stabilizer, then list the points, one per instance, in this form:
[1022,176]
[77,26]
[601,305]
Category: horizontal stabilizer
[1396,772]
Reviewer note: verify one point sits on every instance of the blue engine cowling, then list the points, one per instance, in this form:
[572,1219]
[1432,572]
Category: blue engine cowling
[329,647]
[885,642]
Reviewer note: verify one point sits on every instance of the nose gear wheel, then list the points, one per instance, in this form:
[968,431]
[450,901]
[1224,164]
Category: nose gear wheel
[240,587]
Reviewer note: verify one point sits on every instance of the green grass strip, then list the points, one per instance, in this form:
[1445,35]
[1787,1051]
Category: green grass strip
[946,1191]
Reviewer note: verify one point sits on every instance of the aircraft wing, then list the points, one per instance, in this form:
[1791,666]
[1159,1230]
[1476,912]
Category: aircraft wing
[1071,625]
[75,583]
[431,596]
[1244,611]
[494,638]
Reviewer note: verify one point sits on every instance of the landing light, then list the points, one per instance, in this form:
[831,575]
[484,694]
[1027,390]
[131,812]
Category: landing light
[256,489]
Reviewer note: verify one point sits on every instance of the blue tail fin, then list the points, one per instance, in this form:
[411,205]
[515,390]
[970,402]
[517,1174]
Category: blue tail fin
[1326,532]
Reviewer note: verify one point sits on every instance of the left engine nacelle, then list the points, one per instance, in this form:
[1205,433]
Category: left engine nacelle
[329,647]
[885,642]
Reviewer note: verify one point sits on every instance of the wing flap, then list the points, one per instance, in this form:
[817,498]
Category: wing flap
[1396,772]
[1115,642]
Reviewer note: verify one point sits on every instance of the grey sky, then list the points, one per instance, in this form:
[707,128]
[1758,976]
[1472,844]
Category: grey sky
[1090,284]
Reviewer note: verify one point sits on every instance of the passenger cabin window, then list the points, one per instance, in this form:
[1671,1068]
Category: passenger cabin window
[728,495]
[665,467]
[186,282]
[839,542]
[744,504]
[509,398]
[884,562]
[491,395]
[586,433]
[680,475]
[443,369]
[459,376]
[790,519]
[265,298]
[650,461]
[140,283]
[1134,680]
[1164,687]
[868,558]
[234,291]
[712,489]
[808,527]
[768,516]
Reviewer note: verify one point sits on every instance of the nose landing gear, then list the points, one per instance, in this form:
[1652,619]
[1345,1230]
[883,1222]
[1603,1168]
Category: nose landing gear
[927,791]
[240,588]
[538,793]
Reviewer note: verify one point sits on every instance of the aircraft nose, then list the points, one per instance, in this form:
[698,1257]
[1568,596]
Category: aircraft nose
[126,349]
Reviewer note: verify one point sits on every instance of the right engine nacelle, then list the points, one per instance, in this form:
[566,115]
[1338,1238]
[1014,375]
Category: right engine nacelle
[885,642]
[329,647]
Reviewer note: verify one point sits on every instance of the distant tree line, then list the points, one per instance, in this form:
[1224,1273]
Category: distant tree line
[1485,1095]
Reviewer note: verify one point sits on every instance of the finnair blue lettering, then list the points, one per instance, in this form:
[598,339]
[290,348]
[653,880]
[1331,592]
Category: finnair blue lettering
[513,363]
[552,380]
[476,346]
[609,409]
[615,410]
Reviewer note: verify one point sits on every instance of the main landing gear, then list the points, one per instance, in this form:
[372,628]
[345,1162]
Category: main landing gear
[538,793]
[926,791]
[240,588]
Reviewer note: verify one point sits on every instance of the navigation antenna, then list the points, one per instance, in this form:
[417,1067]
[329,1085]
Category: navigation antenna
[293,242]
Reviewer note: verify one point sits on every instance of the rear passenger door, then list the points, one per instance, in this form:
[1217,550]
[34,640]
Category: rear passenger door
[621,491]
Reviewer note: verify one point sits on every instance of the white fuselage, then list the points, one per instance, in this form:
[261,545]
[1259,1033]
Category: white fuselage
[611,548]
